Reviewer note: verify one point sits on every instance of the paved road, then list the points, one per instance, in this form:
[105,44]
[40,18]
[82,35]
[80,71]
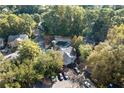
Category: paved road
[65,84]
[39,39]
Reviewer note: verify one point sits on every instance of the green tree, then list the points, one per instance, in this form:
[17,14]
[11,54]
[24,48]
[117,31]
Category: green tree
[118,18]
[76,41]
[37,18]
[85,51]
[29,9]
[103,23]
[1,57]
[19,75]
[29,50]
[115,35]
[106,63]
[50,63]
[64,20]
[91,16]
[12,24]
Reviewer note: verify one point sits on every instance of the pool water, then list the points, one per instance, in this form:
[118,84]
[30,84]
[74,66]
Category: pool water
[63,44]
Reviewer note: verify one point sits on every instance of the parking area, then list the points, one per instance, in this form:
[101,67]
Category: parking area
[65,84]
[75,81]
[70,83]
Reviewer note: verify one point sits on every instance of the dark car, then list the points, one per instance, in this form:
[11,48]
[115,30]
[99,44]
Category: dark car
[76,70]
[113,86]
[65,76]
[87,74]
[60,77]
[72,65]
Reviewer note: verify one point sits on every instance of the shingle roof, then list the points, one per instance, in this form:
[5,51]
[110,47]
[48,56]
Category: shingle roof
[14,37]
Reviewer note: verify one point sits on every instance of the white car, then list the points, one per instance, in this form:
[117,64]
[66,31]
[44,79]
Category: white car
[87,84]
[60,77]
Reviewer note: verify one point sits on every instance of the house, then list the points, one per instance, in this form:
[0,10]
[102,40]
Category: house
[69,55]
[11,40]
[64,45]
[1,43]
[23,37]
[61,42]
[14,40]
[61,38]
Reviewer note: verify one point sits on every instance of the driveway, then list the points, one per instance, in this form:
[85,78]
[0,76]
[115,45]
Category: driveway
[39,39]
[71,83]
[65,84]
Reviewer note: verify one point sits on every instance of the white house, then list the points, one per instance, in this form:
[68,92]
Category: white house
[64,45]
[13,40]
[68,54]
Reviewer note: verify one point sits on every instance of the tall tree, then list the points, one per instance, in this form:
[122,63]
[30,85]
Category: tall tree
[29,50]
[91,16]
[101,26]
[116,35]
[76,41]
[12,24]
[106,63]
[51,63]
[28,9]
[65,20]
[85,51]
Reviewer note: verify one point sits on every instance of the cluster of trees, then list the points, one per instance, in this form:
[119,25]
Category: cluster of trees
[107,64]
[76,41]
[11,24]
[106,60]
[86,24]
[92,22]
[31,66]
[64,20]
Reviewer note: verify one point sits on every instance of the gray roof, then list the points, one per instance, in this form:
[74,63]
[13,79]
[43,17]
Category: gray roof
[23,36]
[68,51]
[14,37]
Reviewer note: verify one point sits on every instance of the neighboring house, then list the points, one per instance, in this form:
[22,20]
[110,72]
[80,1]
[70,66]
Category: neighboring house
[1,43]
[12,55]
[14,40]
[5,10]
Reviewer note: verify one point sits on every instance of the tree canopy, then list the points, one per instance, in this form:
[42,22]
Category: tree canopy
[65,20]
[116,35]
[97,34]
[29,50]
[12,24]
[107,64]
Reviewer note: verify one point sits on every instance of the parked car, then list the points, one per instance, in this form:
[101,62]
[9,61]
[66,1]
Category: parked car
[87,84]
[65,76]
[53,78]
[60,77]
[87,74]
[76,70]
[111,85]
[72,65]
